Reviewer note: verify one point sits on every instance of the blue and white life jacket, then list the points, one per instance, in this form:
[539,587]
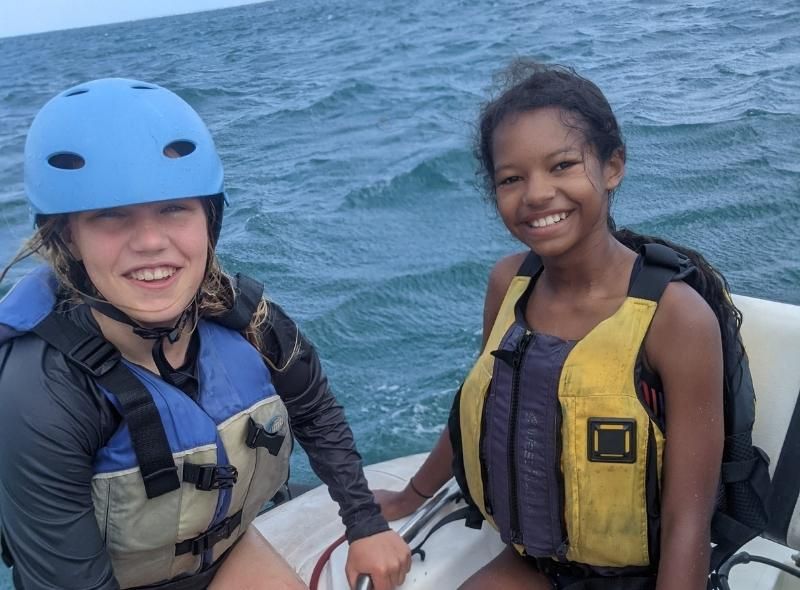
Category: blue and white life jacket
[221,457]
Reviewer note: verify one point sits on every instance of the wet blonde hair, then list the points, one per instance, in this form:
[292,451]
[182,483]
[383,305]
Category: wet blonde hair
[214,298]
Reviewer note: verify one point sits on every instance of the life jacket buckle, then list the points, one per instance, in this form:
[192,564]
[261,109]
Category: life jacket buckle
[209,476]
[218,477]
[211,537]
[258,436]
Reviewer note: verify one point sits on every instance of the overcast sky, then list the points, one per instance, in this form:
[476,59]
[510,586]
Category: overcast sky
[21,17]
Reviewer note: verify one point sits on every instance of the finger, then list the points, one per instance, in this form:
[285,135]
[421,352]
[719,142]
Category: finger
[381,582]
[352,576]
[400,571]
[400,577]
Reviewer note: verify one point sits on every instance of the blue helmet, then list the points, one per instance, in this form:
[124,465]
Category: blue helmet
[115,142]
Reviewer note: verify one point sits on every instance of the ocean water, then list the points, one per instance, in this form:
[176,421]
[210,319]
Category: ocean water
[346,127]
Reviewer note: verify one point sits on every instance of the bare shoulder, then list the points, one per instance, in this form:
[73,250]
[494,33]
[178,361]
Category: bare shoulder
[684,330]
[682,308]
[500,278]
[502,272]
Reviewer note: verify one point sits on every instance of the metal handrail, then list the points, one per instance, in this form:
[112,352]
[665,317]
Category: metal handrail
[417,522]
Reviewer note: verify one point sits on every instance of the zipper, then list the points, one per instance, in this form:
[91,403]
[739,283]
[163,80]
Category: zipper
[563,547]
[519,355]
[487,495]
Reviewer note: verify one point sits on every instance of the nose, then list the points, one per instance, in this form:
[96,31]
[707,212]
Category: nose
[148,234]
[538,190]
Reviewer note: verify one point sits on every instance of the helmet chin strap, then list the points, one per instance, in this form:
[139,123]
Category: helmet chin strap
[157,334]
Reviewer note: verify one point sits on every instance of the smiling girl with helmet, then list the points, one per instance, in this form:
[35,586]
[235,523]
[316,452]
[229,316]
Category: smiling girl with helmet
[147,396]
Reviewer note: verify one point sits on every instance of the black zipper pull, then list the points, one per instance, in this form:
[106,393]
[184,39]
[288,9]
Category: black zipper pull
[519,351]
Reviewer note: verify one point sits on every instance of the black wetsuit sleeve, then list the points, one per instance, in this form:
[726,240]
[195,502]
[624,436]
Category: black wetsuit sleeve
[51,426]
[319,425]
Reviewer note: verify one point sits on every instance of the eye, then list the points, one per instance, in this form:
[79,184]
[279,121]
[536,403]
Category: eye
[566,164]
[180,205]
[508,180]
[108,214]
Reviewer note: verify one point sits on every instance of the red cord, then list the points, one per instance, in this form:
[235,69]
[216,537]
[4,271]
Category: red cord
[323,559]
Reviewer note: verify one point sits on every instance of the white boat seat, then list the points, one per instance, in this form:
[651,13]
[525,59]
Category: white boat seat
[771,334]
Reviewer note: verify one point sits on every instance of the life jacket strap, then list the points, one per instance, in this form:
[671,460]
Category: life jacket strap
[209,476]
[258,436]
[95,356]
[211,537]
[101,360]
[530,266]
[661,264]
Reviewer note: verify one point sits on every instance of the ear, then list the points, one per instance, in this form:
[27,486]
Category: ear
[614,170]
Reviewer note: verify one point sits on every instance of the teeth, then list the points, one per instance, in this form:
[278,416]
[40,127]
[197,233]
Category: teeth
[549,220]
[153,274]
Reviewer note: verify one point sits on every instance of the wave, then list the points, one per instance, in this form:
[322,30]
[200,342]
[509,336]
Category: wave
[437,296]
[439,173]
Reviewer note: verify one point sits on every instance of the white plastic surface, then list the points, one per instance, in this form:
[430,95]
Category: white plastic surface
[304,527]
[771,334]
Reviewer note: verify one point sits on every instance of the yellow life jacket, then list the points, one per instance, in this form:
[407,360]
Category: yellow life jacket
[559,452]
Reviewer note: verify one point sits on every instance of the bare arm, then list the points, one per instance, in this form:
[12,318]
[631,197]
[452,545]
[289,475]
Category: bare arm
[684,347]
[437,468]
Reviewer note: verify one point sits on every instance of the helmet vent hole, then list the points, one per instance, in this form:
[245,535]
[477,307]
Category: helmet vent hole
[179,149]
[66,161]
[77,92]
[143,87]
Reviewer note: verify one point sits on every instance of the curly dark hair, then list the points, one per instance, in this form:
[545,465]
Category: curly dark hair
[527,85]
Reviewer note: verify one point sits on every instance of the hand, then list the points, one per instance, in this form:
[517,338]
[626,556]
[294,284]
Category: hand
[385,557]
[396,505]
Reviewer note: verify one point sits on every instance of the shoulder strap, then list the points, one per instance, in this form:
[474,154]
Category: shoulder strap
[98,358]
[660,265]
[247,295]
[530,266]
[744,477]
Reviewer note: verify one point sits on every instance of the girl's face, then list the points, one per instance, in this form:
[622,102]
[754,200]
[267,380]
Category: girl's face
[551,190]
[146,260]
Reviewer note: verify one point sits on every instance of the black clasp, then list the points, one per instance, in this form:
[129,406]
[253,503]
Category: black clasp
[258,436]
[210,476]
[211,537]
